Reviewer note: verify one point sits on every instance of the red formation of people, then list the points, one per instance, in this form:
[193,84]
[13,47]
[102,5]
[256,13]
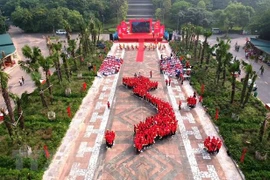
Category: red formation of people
[159,126]
[212,145]
[110,65]
[109,137]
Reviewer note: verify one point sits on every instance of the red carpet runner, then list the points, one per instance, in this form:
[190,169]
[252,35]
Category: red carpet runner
[140,52]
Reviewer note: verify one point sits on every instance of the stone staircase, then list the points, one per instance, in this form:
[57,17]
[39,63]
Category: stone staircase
[138,9]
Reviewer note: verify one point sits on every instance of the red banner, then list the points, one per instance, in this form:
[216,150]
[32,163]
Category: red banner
[217,114]
[47,154]
[84,86]
[244,151]
[69,111]
[202,89]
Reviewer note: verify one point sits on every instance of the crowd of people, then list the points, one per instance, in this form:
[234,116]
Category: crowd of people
[159,126]
[175,67]
[109,137]
[110,65]
[212,145]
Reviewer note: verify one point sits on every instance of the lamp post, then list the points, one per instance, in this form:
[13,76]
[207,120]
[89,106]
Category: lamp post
[102,20]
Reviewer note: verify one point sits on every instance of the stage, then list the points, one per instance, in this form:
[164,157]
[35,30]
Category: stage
[140,30]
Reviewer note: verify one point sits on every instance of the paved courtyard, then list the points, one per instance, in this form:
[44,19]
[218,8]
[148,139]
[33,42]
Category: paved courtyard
[83,155]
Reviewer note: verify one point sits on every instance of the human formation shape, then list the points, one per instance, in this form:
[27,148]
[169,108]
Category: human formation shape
[155,127]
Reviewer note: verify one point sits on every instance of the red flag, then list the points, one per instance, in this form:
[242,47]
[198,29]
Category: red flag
[202,89]
[84,86]
[216,114]
[244,151]
[47,154]
[69,111]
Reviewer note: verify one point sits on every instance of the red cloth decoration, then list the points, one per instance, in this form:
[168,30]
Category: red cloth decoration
[47,154]
[217,114]
[244,151]
[202,89]
[84,86]
[69,111]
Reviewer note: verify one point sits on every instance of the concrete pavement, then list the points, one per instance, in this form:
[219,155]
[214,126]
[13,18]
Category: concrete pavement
[82,154]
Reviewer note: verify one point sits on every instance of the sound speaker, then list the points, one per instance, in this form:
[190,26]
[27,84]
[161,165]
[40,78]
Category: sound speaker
[111,37]
[170,37]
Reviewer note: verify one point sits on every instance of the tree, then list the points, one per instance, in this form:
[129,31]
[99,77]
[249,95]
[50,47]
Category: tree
[158,13]
[31,66]
[167,4]
[46,64]
[201,4]
[206,34]
[4,89]
[226,61]
[56,59]
[250,88]
[238,14]
[3,26]
[71,49]
[234,68]
[248,70]
[18,101]
[261,24]
[198,31]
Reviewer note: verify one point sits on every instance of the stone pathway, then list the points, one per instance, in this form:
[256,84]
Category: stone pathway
[83,155]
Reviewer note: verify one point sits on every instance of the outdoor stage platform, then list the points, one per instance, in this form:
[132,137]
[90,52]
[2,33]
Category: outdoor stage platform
[140,30]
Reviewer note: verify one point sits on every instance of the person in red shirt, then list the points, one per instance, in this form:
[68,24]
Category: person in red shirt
[166,82]
[179,104]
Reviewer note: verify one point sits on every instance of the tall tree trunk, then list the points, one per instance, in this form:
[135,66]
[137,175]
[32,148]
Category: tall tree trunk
[42,97]
[7,124]
[233,89]
[250,88]
[20,114]
[200,51]
[48,82]
[204,46]
[74,59]
[8,104]
[66,67]
[224,76]
[244,88]
[195,48]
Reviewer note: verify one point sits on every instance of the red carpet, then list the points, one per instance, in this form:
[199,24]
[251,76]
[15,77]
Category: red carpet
[140,52]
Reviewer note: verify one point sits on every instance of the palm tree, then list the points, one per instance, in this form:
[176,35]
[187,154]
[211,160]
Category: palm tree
[32,55]
[250,88]
[18,102]
[248,70]
[67,29]
[36,76]
[46,64]
[226,62]
[198,31]
[234,68]
[71,49]
[66,65]
[4,85]
[222,57]
[56,56]
[206,35]
[85,42]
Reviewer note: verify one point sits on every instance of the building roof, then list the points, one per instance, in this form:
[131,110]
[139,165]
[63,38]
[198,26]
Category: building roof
[5,39]
[261,44]
[6,45]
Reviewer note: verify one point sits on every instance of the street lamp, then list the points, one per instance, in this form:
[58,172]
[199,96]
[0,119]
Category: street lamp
[102,20]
